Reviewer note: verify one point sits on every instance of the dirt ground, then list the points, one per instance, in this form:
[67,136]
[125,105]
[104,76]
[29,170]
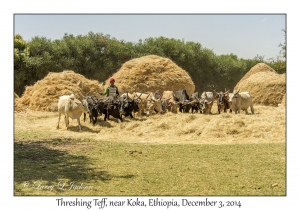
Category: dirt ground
[268,124]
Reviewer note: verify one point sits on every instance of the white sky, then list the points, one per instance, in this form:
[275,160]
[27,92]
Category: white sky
[245,35]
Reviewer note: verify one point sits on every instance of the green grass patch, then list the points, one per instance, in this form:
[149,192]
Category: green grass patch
[88,167]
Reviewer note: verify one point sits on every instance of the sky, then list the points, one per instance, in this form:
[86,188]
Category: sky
[245,35]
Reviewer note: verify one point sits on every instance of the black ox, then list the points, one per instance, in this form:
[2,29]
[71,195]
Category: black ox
[92,105]
[96,108]
[113,106]
[130,105]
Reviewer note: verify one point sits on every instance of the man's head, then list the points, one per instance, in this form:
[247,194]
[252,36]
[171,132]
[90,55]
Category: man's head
[112,81]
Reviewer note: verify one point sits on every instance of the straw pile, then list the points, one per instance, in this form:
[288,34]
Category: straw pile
[152,73]
[266,86]
[44,94]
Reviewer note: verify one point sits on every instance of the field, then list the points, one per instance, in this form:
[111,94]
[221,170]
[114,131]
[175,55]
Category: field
[170,154]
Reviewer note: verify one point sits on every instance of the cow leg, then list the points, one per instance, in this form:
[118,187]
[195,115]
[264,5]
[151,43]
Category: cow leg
[219,109]
[67,121]
[120,117]
[94,120]
[252,109]
[246,110]
[59,114]
[84,116]
[78,120]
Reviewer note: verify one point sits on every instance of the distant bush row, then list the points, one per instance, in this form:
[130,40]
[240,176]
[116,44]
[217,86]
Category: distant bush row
[98,56]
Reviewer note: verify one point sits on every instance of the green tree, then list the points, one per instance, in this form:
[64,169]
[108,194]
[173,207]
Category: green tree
[21,53]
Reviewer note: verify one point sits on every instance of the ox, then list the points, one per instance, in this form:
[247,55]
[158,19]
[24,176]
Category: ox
[240,101]
[182,97]
[198,105]
[71,107]
[172,104]
[142,102]
[113,106]
[186,106]
[93,108]
[207,99]
[130,105]
[222,100]
[154,105]
[152,102]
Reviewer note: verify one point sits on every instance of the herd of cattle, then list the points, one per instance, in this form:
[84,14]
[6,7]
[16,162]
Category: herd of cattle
[151,103]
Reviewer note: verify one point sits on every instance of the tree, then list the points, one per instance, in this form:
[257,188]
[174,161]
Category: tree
[283,46]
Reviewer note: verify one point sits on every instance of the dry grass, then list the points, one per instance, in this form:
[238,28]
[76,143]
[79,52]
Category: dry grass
[170,154]
[268,124]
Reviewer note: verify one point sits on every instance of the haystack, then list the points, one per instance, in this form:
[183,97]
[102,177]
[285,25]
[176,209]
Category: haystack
[152,73]
[44,94]
[266,86]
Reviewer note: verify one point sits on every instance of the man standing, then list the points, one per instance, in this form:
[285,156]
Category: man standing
[111,90]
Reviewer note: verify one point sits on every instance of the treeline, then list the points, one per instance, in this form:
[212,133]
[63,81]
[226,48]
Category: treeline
[98,56]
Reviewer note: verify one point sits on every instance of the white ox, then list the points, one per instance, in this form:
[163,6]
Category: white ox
[71,107]
[207,99]
[240,101]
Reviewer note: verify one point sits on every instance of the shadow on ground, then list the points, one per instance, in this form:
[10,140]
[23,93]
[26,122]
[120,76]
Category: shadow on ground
[36,161]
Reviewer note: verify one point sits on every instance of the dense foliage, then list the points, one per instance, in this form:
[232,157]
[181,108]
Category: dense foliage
[98,56]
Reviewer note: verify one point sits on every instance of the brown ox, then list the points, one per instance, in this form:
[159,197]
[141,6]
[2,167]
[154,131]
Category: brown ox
[147,103]
[154,103]
[142,101]
[222,100]
[172,104]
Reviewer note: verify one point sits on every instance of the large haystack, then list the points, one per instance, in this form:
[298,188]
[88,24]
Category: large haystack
[44,94]
[152,73]
[266,86]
